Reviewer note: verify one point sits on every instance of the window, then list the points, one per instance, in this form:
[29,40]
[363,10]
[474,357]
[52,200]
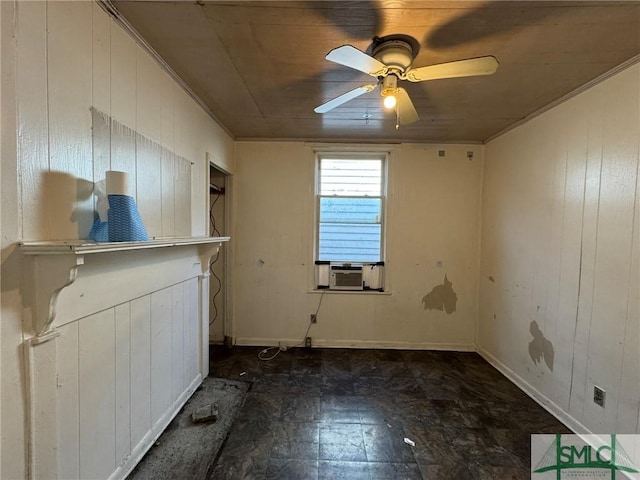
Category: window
[350,195]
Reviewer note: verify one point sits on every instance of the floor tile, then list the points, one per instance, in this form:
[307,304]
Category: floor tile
[478,446]
[379,386]
[336,367]
[394,471]
[306,366]
[299,441]
[450,471]
[338,385]
[301,409]
[334,470]
[261,405]
[341,413]
[254,438]
[385,444]
[342,442]
[283,469]
[484,472]
[432,445]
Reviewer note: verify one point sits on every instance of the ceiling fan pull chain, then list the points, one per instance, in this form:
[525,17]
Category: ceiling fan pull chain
[397,118]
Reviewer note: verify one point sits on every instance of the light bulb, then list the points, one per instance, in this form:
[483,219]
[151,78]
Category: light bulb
[389,101]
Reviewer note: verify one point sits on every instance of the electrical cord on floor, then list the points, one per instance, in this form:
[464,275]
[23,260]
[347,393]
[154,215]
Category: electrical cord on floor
[266,350]
[282,349]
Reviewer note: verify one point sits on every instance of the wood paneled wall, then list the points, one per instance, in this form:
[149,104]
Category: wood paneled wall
[121,373]
[59,59]
[71,56]
[119,359]
[561,249]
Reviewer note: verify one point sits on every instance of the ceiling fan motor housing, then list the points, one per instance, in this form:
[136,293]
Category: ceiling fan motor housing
[395,54]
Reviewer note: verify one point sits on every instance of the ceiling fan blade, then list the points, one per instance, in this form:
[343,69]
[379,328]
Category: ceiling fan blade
[462,68]
[406,111]
[352,57]
[344,98]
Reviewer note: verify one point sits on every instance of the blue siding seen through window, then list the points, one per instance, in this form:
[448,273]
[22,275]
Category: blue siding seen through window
[350,229]
[350,222]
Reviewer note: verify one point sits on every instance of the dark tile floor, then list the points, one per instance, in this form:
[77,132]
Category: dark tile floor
[338,413]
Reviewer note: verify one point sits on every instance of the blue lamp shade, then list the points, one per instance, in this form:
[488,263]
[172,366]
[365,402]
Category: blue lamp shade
[99,231]
[125,224]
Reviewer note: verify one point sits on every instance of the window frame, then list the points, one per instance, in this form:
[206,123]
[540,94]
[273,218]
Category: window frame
[383,156]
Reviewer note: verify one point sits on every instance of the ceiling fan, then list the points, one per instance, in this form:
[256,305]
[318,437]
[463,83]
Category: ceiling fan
[391,60]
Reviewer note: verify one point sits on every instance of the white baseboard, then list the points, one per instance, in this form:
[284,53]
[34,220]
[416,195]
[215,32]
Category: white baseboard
[288,342]
[266,342]
[546,403]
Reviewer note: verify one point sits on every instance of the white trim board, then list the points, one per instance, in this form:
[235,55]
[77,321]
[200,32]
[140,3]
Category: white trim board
[316,342]
[533,393]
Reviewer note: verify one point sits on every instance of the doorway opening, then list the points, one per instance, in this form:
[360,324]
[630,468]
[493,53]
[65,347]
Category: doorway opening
[219,226]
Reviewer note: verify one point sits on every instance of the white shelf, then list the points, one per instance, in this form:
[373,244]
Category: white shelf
[53,266]
[83,247]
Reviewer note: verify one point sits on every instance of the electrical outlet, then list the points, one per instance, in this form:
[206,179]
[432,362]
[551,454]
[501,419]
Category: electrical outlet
[599,395]
[313,318]
[307,342]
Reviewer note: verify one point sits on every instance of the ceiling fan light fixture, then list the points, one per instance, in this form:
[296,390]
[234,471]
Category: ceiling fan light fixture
[389,91]
[390,101]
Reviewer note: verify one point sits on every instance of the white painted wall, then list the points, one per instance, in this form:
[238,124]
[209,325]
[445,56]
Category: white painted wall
[433,215]
[58,60]
[561,243]
[2,68]
[12,397]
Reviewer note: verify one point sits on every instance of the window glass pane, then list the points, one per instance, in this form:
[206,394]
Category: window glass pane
[350,210]
[349,242]
[350,229]
[350,177]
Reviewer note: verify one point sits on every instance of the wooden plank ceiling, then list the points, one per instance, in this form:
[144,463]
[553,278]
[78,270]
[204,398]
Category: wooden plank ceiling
[260,67]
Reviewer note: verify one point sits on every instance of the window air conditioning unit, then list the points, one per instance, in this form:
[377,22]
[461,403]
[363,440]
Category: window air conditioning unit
[345,277]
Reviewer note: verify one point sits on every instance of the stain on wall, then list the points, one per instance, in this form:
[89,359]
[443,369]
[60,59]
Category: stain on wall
[540,348]
[491,279]
[441,297]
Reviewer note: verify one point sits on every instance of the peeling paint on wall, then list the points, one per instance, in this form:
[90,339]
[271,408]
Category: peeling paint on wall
[441,297]
[540,348]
